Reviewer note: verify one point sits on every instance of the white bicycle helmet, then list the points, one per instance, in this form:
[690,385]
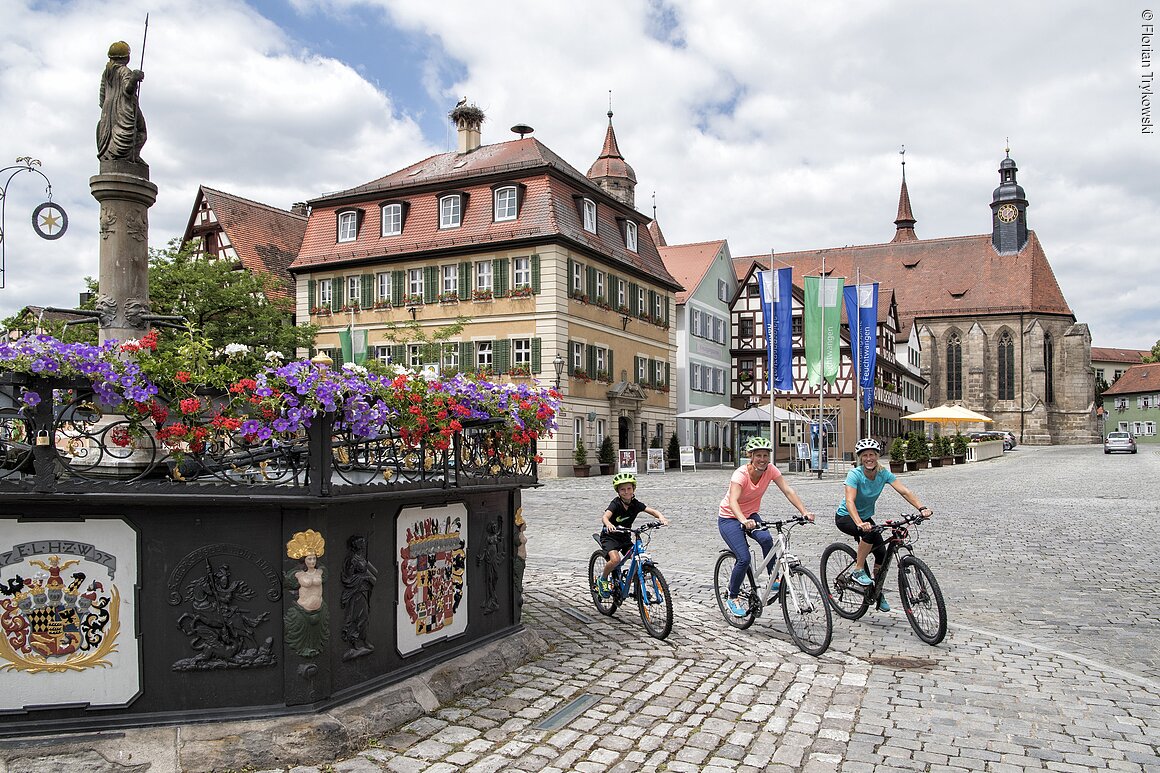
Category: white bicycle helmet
[867,444]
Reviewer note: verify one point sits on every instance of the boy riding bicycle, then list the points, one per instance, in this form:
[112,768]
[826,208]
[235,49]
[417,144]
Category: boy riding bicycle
[855,514]
[621,512]
[738,516]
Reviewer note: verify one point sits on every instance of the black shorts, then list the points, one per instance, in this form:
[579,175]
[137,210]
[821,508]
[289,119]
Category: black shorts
[615,540]
[846,525]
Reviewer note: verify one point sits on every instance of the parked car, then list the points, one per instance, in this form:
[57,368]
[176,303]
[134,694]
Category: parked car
[1119,441]
[1010,438]
[992,434]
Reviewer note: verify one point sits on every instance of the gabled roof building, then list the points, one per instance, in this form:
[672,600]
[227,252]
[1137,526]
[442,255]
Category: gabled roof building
[1133,402]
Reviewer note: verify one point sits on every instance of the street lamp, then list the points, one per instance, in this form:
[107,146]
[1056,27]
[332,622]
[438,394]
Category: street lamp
[558,364]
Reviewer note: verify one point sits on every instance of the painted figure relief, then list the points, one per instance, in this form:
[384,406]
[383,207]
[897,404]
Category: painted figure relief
[306,622]
[493,556]
[223,634]
[359,576]
[432,575]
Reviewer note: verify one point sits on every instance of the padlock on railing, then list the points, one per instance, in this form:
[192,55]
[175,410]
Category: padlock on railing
[42,438]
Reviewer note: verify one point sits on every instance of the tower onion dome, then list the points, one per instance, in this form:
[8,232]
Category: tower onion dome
[1009,189]
[610,164]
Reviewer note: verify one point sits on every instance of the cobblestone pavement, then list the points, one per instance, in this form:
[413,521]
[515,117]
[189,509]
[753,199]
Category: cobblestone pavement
[1046,558]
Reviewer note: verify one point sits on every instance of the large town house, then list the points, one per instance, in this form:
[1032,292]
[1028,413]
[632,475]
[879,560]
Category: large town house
[553,268]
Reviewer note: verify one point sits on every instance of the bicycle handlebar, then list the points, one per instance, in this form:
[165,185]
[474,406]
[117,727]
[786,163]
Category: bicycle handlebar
[637,530]
[904,519]
[797,520]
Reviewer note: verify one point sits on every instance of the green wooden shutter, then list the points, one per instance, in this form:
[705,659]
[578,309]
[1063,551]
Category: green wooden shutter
[568,283]
[311,293]
[430,283]
[633,306]
[535,355]
[499,277]
[570,367]
[398,286]
[668,308]
[652,302]
[466,356]
[591,282]
[465,281]
[611,372]
[501,355]
[590,360]
[368,290]
[652,371]
[336,289]
[336,355]
[668,375]
[635,368]
[535,273]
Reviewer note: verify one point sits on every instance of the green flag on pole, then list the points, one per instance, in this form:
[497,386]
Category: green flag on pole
[823,305]
[354,345]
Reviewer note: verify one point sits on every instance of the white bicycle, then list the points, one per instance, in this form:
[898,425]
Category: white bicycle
[803,601]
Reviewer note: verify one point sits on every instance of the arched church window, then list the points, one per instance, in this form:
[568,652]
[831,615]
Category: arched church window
[1048,369]
[954,367]
[1006,366]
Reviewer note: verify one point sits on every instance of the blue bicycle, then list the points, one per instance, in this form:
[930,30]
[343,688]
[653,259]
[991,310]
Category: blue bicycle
[636,576]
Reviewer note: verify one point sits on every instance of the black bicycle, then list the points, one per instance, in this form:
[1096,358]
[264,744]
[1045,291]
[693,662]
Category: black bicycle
[922,599]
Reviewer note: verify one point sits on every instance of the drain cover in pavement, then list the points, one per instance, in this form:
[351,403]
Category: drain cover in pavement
[901,661]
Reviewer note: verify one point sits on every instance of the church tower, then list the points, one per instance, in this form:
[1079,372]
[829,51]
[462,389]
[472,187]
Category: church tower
[1008,211]
[904,223]
[611,172]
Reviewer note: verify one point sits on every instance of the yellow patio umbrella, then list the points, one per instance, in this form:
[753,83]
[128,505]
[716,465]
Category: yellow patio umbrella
[949,414]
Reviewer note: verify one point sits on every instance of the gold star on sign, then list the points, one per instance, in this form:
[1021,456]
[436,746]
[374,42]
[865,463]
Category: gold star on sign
[49,221]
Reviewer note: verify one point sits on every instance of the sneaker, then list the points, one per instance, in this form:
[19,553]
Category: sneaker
[862,578]
[736,608]
[883,605]
[604,588]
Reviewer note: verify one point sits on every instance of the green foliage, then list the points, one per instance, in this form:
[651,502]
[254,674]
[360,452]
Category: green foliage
[898,449]
[959,444]
[1155,355]
[607,452]
[410,332]
[1101,387]
[674,451]
[916,448]
[580,455]
[943,446]
[655,442]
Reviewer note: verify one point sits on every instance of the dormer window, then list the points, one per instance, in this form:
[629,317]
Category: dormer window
[590,216]
[506,203]
[630,235]
[451,211]
[347,225]
[392,219]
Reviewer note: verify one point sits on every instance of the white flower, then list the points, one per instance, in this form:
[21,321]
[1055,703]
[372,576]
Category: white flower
[353,368]
[401,370]
[232,349]
[273,356]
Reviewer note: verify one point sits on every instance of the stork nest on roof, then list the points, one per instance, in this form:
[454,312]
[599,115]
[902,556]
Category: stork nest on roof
[466,113]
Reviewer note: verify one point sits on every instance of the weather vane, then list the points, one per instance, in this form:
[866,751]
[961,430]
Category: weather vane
[49,220]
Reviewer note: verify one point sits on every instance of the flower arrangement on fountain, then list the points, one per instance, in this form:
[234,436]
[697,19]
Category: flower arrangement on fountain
[261,399]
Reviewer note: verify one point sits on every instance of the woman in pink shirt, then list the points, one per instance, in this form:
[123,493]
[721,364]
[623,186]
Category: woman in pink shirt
[738,514]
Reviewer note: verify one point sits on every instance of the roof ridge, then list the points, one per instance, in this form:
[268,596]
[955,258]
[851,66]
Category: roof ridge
[694,244]
[244,200]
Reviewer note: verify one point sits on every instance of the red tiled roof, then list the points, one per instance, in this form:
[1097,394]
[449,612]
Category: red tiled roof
[658,237]
[689,262]
[267,239]
[548,211]
[1103,354]
[1136,379]
[955,276]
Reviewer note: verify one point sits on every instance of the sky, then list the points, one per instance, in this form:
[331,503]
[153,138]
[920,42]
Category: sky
[774,125]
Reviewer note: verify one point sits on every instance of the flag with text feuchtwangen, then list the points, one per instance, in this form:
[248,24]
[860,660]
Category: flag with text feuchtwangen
[822,323]
[777,311]
[862,317]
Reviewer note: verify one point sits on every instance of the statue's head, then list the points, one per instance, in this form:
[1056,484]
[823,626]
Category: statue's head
[119,50]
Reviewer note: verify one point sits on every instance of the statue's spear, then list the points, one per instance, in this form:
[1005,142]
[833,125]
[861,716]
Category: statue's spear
[137,101]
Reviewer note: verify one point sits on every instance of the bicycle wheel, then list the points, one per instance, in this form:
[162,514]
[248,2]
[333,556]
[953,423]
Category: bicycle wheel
[922,599]
[605,606]
[746,595]
[655,603]
[808,617]
[846,597]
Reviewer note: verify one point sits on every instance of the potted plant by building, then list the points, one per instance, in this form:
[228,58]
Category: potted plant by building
[674,451]
[580,460]
[935,446]
[917,454]
[607,456]
[947,450]
[959,448]
[897,455]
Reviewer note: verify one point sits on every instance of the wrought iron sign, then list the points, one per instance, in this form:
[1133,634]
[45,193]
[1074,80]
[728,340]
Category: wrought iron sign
[49,219]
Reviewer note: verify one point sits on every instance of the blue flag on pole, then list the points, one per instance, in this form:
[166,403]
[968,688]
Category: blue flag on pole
[777,311]
[862,317]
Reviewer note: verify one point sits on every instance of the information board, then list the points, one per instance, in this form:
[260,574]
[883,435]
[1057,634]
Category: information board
[655,461]
[688,458]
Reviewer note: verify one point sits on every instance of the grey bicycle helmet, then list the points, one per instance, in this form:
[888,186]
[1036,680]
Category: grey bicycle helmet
[758,443]
[867,444]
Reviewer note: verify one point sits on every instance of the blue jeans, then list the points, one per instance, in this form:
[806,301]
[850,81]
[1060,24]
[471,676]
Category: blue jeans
[734,535]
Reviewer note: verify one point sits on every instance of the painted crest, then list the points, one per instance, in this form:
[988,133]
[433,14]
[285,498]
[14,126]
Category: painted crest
[432,574]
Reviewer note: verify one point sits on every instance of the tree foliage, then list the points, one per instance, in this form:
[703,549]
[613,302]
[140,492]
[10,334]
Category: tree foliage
[1155,355]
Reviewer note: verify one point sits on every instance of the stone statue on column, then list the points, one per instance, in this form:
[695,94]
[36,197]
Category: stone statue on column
[121,129]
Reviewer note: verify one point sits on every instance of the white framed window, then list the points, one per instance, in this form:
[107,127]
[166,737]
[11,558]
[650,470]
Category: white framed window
[696,326]
[522,272]
[325,292]
[630,235]
[451,211]
[577,432]
[641,369]
[522,352]
[601,428]
[577,355]
[601,359]
[577,277]
[590,216]
[658,302]
[449,358]
[641,302]
[660,373]
[722,290]
[1137,428]
[718,330]
[451,279]
[414,355]
[392,219]
[414,281]
[483,275]
[1149,428]
[347,226]
[600,285]
[383,286]
[621,293]
[353,289]
[505,203]
[695,377]
[483,355]
[383,355]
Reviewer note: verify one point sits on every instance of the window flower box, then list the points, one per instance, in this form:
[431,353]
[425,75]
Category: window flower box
[482,295]
[382,305]
[604,376]
[349,307]
[321,311]
[519,371]
[521,291]
[452,297]
[745,375]
[581,375]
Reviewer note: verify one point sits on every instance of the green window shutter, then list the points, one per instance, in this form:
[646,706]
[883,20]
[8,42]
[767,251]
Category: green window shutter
[590,360]
[668,307]
[570,367]
[591,285]
[368,290]
[667,374]
[499,277]
[535,355]
[336,290]
[465,281]
[501,355]
[635,368]
[466,356]
[430,283]
[398,287]
[336,355]
[652,302]
[652,371]
[632,304]
[610,367]
[312,293]
[568,283]
[535,273]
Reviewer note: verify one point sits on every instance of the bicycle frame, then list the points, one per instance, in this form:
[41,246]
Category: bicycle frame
[899,540]
[779,554]
[638,559]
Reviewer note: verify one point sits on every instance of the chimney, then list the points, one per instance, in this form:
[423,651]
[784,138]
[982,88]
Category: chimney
[300,208]
[468,120]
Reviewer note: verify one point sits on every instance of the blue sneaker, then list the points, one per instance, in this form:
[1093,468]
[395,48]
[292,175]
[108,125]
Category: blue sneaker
[736,608]
[604,588]
[862,578]
[883,605]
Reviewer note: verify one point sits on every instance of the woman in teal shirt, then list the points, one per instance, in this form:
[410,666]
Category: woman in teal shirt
[855,514]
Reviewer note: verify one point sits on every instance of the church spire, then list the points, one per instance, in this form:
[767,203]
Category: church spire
[1008,210]
[610,171]
[905,220]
